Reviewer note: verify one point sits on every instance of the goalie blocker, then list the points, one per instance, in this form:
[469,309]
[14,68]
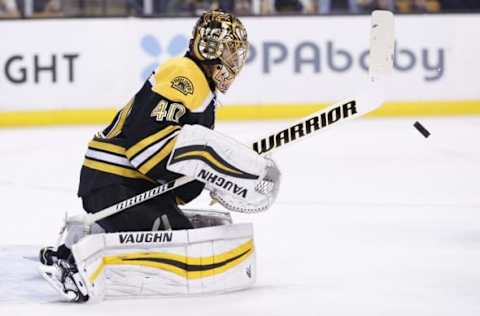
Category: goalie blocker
[237,177]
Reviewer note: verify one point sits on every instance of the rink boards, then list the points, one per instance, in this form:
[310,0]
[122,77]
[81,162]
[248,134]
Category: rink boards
[76,71]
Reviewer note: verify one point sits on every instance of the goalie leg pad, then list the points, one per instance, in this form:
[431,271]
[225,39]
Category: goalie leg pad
[164,263]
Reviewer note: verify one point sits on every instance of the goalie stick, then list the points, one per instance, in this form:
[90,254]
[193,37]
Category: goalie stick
[380,68]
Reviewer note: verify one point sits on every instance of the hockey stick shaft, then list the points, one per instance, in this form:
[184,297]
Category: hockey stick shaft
[89,219]
[320,121]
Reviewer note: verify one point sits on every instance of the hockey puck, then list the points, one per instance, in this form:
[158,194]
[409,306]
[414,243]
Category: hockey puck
[421,129]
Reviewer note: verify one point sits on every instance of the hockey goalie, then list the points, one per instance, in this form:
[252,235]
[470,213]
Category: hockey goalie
[165,132]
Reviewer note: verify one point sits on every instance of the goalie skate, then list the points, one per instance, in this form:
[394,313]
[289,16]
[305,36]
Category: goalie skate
[48,256]
[66,280]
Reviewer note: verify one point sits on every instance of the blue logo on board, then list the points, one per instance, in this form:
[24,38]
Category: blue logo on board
[153,47]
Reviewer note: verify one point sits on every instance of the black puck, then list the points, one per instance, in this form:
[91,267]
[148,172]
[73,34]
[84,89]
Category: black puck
[421,129]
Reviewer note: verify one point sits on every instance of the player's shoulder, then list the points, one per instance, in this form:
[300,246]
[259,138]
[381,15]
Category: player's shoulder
[181,80]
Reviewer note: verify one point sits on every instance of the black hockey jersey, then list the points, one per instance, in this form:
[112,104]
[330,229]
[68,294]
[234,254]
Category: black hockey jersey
[135,147]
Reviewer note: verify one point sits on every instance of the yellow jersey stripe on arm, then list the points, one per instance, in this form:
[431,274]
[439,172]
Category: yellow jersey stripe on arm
[121,120]
[117,170]
[107,147]
[135,149]
[158,157]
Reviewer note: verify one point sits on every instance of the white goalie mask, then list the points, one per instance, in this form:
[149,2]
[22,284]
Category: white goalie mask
[220,39]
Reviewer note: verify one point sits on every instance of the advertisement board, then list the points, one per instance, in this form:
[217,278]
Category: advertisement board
[293,61]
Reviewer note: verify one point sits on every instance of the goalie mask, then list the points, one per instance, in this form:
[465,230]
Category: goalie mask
[220,39]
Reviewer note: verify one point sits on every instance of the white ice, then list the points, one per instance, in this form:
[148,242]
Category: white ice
[372,219]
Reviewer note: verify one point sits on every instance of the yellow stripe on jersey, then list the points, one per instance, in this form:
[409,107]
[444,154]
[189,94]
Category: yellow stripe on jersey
[119,171]
[144,143]
[181,80]
[158,157]
[107,147]
[117,128]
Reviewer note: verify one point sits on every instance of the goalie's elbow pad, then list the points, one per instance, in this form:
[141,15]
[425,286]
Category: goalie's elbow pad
[238,175]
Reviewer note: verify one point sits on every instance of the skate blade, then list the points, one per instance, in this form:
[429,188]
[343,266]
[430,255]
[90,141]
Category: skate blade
[48,273]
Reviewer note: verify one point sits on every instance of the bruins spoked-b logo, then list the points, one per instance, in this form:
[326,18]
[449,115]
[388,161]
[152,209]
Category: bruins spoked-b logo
[182,84]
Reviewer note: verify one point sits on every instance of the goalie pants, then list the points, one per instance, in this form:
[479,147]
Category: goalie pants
[160,213]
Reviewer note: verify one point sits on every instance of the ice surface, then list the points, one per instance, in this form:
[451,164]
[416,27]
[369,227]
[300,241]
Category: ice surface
[371,219]
[21,282]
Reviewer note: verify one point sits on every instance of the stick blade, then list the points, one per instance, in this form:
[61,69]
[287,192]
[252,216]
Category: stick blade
[382,44]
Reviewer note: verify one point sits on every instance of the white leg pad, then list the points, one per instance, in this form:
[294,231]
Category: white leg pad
[165,263]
